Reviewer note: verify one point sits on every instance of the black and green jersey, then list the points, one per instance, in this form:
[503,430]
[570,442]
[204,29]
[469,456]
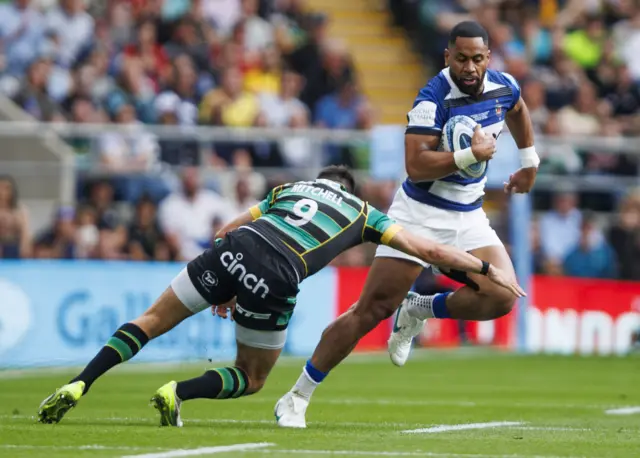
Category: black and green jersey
[312,222]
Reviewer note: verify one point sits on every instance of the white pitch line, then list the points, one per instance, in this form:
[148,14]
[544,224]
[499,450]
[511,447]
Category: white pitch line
[203,450]
[461,427]
[547,428]
[623,411]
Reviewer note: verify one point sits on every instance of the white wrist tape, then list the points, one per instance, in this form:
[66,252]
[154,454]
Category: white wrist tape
[529,157]
[464,158]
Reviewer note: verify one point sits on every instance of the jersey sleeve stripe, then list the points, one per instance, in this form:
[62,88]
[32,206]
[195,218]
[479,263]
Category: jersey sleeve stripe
[423,130]
[255,212]
[390,233]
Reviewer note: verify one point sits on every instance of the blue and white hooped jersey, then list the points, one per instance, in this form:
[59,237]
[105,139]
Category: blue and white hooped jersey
[438,101]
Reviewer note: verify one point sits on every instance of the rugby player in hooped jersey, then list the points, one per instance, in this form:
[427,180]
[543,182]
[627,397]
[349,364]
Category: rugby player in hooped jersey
[260,259]
[439,202]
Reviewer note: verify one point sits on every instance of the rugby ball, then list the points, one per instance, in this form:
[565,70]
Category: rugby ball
[456,135]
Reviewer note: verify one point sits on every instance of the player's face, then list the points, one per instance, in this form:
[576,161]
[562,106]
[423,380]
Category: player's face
[468,60]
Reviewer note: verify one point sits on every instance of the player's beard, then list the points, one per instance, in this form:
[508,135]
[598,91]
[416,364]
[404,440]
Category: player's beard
[469,89]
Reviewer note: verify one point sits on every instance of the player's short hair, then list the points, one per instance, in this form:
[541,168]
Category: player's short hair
[468,29]
[340,174]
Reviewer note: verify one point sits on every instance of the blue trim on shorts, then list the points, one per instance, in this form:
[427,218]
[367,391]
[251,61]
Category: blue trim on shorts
[422,195]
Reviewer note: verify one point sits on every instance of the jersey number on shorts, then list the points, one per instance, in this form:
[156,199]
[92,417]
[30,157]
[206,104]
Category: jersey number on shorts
[305,210]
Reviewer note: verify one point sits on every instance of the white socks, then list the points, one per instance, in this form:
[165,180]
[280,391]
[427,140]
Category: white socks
[304,387]
[420,307]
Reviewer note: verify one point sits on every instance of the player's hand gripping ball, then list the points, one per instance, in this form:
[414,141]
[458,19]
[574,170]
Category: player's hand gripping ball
[456,135]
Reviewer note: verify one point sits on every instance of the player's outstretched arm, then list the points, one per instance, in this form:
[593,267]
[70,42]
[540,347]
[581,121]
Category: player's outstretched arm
[452,258]
[519,122]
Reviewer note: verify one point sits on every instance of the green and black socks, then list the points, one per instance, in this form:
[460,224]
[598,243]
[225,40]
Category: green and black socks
[221,383]
[123,345]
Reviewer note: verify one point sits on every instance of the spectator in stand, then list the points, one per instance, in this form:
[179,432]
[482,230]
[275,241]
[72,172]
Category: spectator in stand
[58,242]
[585,45]
[266,78]
[15,236]
[259,33]
[561,80]
[624,237]
[298,150]
[82,111]
[146,239]
[230,105]
[290,20]
[179,151]
[155,62]
[533,93]
[186,216]
[311,58]
[185,86]
[87,233]
[560,159]
[224,14]
[72,29]
[593,257]
[243,198]
[340,110]
[33,97]
[581,118]
[188,39]
[101,198]
[130,151]
[21,34]
[560,228]
[135,86]
[280,108]
[625,95]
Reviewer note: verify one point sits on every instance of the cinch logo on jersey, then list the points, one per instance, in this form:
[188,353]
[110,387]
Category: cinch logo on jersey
[235,268]
[319,192]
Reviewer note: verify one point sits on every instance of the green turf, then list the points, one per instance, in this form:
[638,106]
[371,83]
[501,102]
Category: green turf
[362,407]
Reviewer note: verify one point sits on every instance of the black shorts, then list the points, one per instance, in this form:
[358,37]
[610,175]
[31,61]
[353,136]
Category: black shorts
[245,266]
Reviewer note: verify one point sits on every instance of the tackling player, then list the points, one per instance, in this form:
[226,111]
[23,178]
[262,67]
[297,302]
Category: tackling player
[264,255]
[437,202]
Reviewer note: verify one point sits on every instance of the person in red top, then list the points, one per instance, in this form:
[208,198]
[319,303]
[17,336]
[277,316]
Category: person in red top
[155,61]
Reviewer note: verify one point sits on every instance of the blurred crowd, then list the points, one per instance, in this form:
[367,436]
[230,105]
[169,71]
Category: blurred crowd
[178,228]
[579,70]
[576,60]
[243,63]
[236,63]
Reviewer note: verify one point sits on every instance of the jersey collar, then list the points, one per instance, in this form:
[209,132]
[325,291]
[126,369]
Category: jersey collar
[456,93]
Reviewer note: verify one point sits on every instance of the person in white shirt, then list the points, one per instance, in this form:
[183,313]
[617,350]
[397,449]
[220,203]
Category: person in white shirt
[259,32]
[72,28]
[134,150]
[186,216]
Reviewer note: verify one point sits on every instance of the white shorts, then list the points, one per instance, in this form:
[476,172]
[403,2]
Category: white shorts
[465,230]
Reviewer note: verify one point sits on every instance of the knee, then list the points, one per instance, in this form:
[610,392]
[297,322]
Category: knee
[371,312]
[501,303]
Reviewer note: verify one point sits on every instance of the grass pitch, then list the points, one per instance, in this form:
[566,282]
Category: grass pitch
[470,404]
